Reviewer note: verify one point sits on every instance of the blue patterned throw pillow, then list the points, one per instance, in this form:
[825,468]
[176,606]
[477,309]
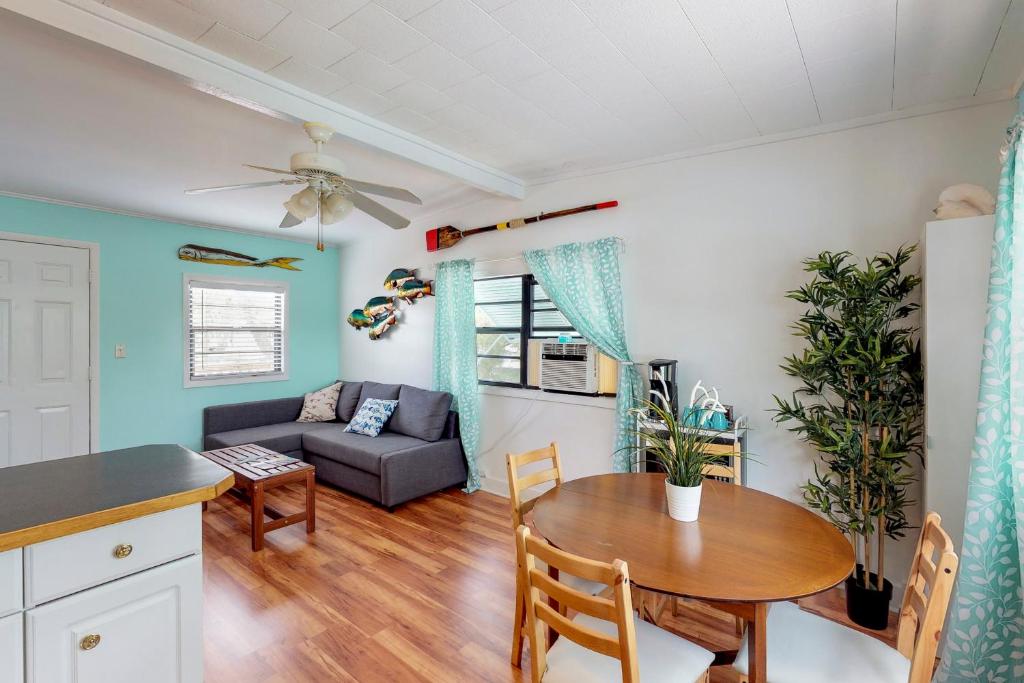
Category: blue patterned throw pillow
[372,416]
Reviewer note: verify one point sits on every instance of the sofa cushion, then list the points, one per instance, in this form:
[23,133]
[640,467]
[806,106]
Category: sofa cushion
[355,450]
[283,437]
[321,405]
[348,400]
[387,392]
[421,413]
[371,417]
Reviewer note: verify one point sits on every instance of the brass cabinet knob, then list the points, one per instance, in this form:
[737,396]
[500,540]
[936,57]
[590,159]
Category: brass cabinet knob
[122,551]
[90,641]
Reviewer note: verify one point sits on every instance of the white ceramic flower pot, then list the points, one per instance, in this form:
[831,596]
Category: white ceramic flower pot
[683,501]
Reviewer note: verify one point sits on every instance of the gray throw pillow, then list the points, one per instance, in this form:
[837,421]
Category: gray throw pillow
[421,413]
[348,400]
[386,392]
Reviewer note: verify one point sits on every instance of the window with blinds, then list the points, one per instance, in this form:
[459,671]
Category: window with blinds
[509,312]
[235,331]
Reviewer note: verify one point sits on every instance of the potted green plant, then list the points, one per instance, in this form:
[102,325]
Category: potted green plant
[859,404]
[680,451]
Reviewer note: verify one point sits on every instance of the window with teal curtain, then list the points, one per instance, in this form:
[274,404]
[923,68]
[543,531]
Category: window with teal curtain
[455,354]
[985,633]
[584,282]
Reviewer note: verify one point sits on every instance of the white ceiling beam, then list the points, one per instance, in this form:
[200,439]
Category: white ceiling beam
[214,73]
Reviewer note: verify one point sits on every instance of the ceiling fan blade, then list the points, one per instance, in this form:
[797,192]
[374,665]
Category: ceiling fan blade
[272,170]
[384,191]
[379,211]
[289,221]
[242,186]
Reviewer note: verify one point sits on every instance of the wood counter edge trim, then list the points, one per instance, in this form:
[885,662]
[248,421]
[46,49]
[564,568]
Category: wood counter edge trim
[94,520]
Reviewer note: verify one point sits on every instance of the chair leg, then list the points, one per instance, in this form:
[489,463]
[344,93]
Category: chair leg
[675,607]
[741,626]
[706,678]
[519,627]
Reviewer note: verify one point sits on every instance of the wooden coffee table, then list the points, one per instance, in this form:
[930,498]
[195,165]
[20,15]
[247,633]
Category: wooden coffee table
[258,469]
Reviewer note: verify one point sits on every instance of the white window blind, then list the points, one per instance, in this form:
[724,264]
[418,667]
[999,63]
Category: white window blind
[235,331]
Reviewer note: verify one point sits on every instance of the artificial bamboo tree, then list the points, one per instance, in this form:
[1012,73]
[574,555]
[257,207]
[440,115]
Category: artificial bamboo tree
[860,399]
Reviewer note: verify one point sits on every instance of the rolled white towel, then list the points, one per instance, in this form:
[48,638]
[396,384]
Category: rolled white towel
[964,200]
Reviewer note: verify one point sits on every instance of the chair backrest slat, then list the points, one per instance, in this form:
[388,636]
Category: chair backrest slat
[518,485]
[539,586]
[926,599]
[582,567]
[601,608]
[537,478]
[581,635]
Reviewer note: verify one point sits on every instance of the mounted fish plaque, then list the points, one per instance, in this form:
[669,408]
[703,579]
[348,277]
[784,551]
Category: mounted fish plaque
[380,313]
[222,257]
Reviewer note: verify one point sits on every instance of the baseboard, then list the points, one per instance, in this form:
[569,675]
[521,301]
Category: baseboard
[498,487]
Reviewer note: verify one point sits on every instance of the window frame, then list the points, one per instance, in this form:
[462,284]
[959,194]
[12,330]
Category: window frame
[190,279]
[526,330]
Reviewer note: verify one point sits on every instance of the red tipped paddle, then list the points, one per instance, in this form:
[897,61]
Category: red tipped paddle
[447,236]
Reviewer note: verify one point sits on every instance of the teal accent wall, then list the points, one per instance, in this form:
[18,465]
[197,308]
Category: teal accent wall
[142,397]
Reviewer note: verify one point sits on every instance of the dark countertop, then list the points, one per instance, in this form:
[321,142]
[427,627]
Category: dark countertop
[46,500]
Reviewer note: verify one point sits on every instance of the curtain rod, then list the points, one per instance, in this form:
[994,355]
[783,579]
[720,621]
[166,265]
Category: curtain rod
[504,259]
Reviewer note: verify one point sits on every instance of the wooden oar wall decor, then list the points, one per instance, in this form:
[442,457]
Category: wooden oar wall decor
[448,236]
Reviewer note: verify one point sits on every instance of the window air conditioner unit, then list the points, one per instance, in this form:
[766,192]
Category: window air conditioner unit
[569,368]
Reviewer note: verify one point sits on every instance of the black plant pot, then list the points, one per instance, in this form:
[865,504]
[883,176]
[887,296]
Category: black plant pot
[868,607]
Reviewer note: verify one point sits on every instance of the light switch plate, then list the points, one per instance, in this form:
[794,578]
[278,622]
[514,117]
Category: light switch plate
[120,351]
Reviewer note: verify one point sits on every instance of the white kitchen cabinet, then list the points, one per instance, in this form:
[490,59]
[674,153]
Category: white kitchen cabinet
[101,566]
[146,627]
[11,600]
[11,649]
[109,552]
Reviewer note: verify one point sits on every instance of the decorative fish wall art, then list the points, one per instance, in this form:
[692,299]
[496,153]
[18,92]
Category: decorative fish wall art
[381,313]
[415,289]
[382,324]
[222,257]
[398,277]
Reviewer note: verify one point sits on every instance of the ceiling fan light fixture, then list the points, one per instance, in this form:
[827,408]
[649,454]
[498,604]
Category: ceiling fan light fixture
[335,208]
[302,204]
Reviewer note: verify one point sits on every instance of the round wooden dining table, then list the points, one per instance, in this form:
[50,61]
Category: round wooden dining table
[746,550]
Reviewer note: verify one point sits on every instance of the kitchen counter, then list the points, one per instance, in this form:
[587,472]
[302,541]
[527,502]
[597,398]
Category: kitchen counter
[47,500]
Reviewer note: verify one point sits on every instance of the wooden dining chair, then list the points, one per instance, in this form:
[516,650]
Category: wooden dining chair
[605,641]
[551,472]
[803,646]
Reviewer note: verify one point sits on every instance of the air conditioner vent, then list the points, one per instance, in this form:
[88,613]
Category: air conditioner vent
[570,368]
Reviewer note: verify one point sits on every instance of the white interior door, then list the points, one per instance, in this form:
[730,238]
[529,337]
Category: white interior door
[44,352]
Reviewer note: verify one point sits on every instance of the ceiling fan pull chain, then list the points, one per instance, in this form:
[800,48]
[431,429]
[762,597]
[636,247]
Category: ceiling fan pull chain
[319,221]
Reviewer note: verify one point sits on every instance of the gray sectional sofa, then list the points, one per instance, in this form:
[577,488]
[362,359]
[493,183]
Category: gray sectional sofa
[419,451]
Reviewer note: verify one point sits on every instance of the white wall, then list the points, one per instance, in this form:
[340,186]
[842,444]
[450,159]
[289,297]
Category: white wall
[712,244]
[956,263]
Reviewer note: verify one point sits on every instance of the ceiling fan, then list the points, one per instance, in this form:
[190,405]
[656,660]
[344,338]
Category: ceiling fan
[328,194]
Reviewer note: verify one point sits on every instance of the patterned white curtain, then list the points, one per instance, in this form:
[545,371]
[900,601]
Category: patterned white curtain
[455,354]
[985,637]
[585,284]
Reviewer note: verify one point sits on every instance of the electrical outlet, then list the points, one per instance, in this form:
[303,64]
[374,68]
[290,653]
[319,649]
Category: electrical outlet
[120,351]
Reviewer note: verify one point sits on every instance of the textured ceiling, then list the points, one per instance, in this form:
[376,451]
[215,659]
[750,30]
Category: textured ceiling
[92,126]
[540,87]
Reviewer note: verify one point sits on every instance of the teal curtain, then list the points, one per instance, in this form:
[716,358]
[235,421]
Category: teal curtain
[985,635]
[455,354]
[584,282]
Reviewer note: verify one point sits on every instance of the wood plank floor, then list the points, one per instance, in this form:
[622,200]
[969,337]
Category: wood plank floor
[424,594]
